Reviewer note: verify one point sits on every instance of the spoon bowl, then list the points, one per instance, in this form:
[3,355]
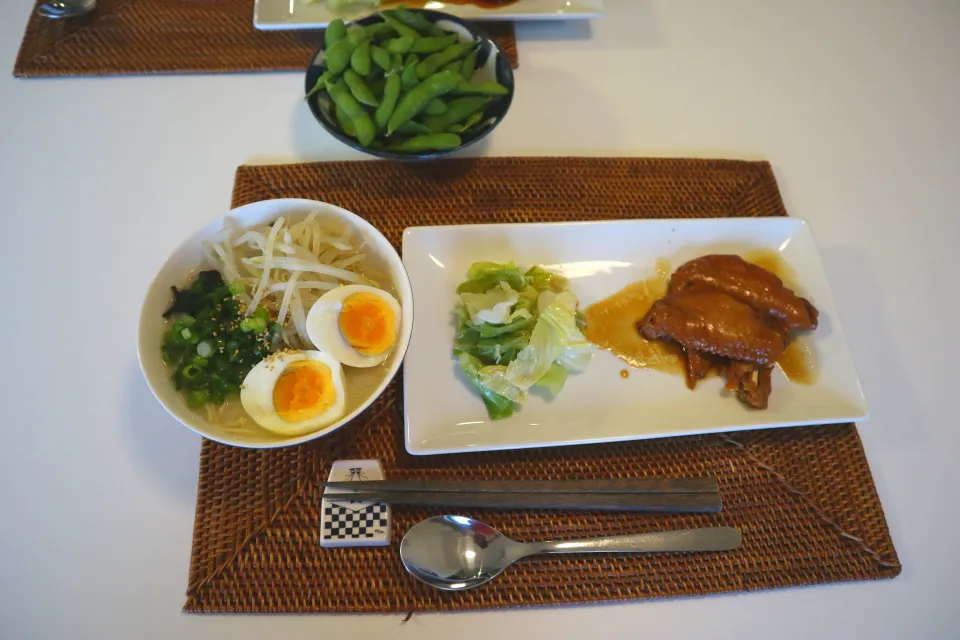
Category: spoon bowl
[454,553]
[57,9]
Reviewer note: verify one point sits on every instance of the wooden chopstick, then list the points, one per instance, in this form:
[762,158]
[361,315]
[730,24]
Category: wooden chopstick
[602,486]
[650,502]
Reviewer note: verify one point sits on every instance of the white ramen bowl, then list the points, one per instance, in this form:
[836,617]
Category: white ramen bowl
[188,259]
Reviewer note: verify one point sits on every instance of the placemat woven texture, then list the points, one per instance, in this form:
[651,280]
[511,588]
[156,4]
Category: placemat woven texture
[175,36]
[803,498]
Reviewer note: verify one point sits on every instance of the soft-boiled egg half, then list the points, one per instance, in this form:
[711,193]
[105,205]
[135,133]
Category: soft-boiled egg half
[294,393]
[356,324]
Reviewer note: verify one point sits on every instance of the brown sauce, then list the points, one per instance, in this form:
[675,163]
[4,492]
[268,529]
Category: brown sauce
[483,4]
[799,361]
[611,325]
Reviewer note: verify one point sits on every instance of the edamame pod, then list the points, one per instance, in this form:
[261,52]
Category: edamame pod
[416,21]
[412,128]
[398,45]
[435,107]
[336,31]
[417,98]
[359,88]
[468,124]
[321,84]
[456,66]
[433,44]
[356,35]
[353,110]
[381,58]
[409,76]
[398,26]
[469,66]
[360,59]
[432,142]
[338,55]
[378,30]
[457,110]
[345,122]
[431,63]
[391,93]
[490,88]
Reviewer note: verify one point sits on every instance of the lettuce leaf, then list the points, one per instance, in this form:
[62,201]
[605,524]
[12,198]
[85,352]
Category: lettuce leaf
[484,276]
[515,330]
[498,406]
[543,280]
[554,379]
[555,338]
[493,377]
[494,306]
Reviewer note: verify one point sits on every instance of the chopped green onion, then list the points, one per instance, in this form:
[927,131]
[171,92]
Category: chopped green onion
[214,347]
[197,398]
[205,349]
[191,371]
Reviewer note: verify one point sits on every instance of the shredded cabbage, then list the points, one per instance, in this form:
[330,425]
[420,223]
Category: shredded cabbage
[516,330]
[492,307]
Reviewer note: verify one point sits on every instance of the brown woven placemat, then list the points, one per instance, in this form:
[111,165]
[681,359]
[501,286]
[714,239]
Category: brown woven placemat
[803,497]
[175,36]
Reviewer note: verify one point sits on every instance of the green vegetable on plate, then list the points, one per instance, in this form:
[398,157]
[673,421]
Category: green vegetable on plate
[517,330]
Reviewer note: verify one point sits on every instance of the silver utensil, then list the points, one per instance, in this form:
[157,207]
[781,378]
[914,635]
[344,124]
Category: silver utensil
[455,552]
[57,9]
[639,502]
[593,486]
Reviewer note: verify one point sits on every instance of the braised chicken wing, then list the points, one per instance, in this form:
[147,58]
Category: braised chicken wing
[715,323]
[750,284]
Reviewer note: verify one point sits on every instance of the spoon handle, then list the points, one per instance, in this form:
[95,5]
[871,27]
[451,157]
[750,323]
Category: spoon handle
[707,539]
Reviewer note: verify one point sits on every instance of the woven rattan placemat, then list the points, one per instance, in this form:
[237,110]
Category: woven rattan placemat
[175,36]
[803,497]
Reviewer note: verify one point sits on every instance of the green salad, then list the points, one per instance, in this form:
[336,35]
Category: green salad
[517,329]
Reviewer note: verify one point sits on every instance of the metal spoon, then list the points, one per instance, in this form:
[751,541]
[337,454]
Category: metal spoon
[66,8]
[455,552]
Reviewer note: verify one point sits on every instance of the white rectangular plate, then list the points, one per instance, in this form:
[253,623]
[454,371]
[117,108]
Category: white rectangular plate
[443,415]
[273,15]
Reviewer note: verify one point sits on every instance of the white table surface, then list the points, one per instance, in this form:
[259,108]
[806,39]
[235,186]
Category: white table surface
[856,104]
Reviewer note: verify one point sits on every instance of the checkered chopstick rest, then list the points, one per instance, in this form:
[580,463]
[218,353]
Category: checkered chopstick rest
[348,523]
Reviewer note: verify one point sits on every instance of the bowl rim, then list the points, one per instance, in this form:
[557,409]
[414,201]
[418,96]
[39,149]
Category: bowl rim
[435,15]
[148,345]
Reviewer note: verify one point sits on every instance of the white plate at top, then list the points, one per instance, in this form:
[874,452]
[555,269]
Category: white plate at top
[274,15]
[444,415]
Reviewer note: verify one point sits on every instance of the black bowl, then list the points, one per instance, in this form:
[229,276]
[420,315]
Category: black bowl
[320,104]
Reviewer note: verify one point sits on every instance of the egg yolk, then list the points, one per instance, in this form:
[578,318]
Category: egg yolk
[303,391]
[367,323]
